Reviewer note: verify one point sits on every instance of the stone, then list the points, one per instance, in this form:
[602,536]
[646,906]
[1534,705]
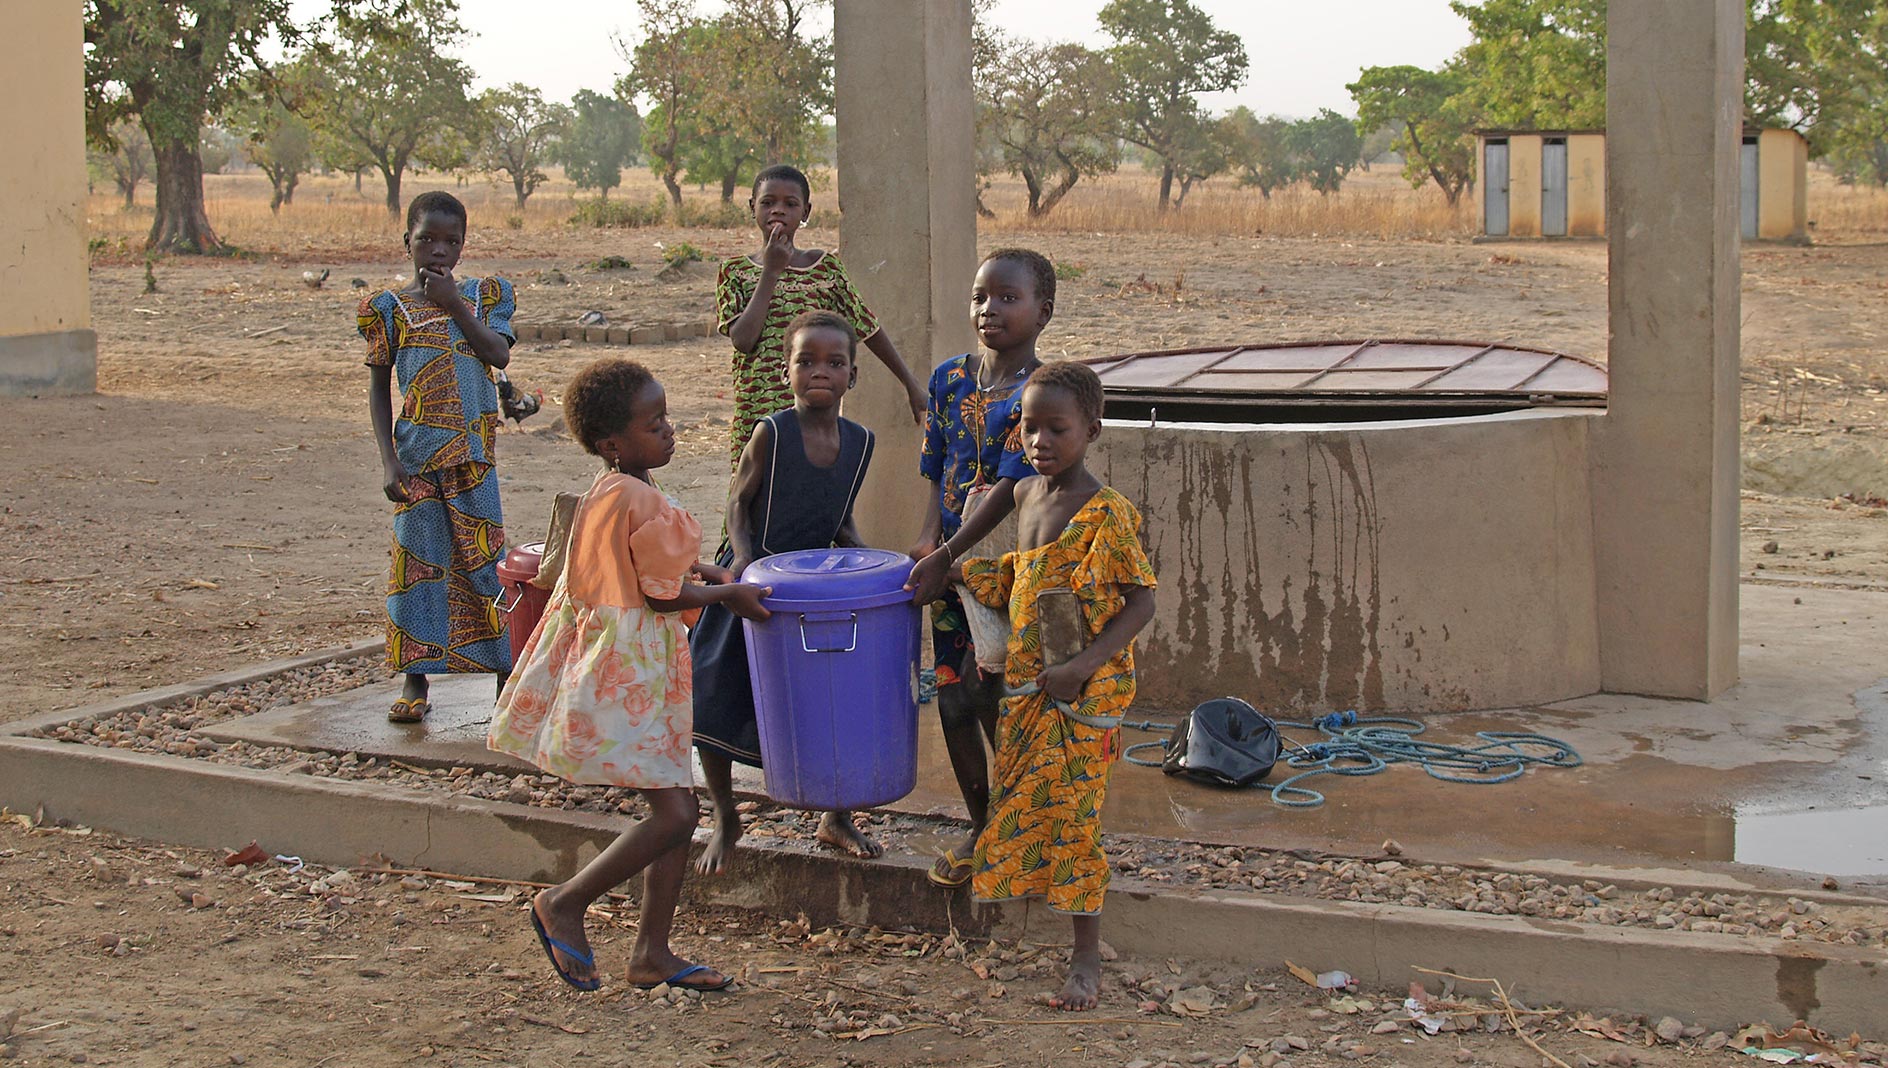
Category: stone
[1669,1029]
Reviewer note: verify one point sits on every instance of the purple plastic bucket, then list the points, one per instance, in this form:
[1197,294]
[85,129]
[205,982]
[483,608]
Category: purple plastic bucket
[836,677]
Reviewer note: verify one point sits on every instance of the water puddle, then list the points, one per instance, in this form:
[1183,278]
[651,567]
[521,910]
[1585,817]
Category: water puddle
[1831,841]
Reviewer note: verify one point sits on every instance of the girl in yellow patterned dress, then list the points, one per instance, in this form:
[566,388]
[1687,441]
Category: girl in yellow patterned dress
[1057,736]
[603,692]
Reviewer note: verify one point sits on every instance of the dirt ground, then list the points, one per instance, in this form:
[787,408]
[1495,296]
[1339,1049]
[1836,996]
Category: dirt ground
[217,503]
[117,952]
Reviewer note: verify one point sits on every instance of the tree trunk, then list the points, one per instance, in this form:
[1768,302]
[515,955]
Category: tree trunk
[130,190]
[1034,185]
[1064,182]
[517,185]
[392,171]
[275,196]
[180,225]
[288,188]
[1166,185]
[675,191]
[729,183]
[357,180]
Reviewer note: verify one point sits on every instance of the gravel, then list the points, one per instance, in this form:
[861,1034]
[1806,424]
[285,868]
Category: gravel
[175,730]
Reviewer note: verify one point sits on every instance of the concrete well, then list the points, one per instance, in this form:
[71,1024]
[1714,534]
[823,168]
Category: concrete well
[1421,564]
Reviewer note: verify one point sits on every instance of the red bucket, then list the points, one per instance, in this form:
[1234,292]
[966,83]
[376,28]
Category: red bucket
[522,603]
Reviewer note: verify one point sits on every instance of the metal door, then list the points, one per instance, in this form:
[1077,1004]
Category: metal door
[1495,188]
[1554,187]
[1747,189]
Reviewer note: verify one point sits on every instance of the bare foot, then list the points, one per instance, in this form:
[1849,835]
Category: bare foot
[1082,991]
[837,831]
[720,847]
[567,929]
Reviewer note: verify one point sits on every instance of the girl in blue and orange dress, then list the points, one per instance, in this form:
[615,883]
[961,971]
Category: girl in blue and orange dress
[602,694]
[442,339]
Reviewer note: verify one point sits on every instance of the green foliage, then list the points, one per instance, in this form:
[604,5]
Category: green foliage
[728,95]
[1259,150]
[217,148]
[681,252]
[278,141]
[1069,271]
[1165,53]
[383,93]
[517,132]
[600,140]
[618,214]
[170,63]
[719,214]
[1045,111]
[1437,119]
[1831,64]
[1535,64]
[127,162]
[1325,148]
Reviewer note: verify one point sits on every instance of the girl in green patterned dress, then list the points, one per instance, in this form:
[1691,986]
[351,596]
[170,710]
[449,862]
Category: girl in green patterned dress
[757,295]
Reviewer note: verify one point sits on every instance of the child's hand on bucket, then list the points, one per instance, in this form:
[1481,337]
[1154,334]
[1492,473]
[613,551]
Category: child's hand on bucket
[929,576]
[745,601]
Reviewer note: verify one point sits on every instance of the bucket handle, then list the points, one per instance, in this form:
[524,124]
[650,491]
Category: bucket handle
[829,617]
[506,590]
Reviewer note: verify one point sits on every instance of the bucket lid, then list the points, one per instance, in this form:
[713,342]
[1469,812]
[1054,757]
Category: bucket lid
[521,562]
[831,578]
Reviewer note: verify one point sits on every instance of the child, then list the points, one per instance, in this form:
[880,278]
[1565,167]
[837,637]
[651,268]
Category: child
[1058,737]
[971,446]
[601,696]
[794,489]
[443,339]
[757,295]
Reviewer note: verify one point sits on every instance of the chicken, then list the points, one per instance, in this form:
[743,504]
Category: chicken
[313,280]
[515,402]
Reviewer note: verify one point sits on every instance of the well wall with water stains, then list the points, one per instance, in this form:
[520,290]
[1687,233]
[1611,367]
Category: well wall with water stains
[1425,565]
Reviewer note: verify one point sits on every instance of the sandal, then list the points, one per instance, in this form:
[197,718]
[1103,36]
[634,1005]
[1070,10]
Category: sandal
[950,870]
[676,981]
[409,710]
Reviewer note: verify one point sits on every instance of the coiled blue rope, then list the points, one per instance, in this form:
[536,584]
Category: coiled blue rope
[1354,745]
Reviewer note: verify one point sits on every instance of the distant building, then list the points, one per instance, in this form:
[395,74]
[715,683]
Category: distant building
[1552,183]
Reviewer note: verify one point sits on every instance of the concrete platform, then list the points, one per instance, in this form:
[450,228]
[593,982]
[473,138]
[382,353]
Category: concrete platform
[1673,793]
[1788,770]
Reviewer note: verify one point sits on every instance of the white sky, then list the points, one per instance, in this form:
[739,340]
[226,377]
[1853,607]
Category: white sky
[1302,54]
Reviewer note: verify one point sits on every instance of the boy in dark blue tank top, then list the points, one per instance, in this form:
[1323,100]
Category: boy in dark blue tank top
[793,489]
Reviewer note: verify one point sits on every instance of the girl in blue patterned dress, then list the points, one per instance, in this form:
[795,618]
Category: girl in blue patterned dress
[440,339]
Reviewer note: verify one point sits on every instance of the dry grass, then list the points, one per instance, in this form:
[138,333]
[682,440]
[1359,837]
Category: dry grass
[1379,204]
[328,218]
[1843,213]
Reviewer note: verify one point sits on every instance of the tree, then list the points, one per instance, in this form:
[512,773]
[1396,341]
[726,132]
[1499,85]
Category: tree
[1046,108]
[1826,63]
[600,140]
[384,93]
[217,149]
[1325,147]
[1437,142]
[276,139]
[671,66]
[773,84]
[1535,64]
[520,131]
[1259,152]
[1209,150]
[125,159]
[1165,53]
[170,63]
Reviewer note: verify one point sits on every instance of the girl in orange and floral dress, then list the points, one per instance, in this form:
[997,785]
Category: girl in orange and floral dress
[603,693]
[1058,734]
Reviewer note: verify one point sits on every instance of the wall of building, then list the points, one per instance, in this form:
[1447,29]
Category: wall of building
[1425,565]
[1524,185]
[46,341]
[1782,185]
[1586,185]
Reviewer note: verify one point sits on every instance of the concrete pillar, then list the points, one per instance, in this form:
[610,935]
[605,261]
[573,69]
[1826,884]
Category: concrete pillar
[1666,467]
[46,341]
[907,192]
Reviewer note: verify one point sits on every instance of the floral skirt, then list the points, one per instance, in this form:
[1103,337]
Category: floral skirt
[602,696]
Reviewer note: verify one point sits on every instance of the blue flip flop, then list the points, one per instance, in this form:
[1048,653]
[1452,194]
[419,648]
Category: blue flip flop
[676,980]
[588,960]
